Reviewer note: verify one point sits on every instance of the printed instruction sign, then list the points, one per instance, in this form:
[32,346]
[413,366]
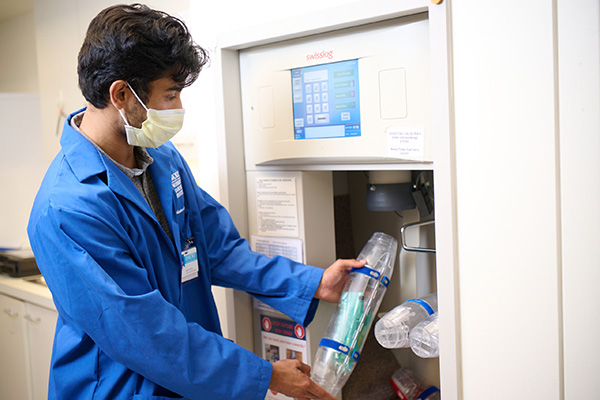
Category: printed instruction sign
[282,339]
[276,206]
[406,143]
[276,246]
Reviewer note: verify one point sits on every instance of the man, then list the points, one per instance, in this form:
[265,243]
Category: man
[130,245]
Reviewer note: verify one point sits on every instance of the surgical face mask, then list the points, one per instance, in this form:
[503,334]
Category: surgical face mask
[158,128]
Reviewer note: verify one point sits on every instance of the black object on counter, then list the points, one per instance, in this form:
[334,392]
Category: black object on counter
[18,263]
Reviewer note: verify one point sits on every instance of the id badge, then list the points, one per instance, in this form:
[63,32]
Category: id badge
[190,264]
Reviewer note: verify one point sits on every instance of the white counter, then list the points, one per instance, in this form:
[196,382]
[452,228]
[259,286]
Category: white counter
[25,290]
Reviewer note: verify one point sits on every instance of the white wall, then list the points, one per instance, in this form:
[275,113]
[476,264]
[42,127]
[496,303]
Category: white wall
[21,150]
[18,61]
[527,150]
[22,164]
[579,123]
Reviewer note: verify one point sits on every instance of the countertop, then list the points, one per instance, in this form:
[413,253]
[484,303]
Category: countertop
[28,289]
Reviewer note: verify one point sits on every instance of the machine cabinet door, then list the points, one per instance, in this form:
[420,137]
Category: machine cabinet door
[14,373]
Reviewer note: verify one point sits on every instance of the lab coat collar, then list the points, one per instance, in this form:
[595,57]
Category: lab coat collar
[87,161]
[84,159]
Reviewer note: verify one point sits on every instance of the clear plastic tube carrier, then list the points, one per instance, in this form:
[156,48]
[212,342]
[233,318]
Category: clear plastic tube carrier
[392,330]
[424,338]
[339,350]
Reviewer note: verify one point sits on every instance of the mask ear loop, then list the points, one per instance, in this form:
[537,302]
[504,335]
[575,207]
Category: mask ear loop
[136,96]
[138,99]
[123,116]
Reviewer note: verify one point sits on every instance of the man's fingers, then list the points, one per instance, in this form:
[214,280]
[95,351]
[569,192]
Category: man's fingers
[304,368]
[292,378]
[318,393]
[311,390]
[348,264]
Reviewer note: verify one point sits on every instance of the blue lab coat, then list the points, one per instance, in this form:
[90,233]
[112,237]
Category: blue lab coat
[127,327]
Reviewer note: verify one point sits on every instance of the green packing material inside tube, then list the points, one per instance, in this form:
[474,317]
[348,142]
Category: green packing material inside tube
[351,309]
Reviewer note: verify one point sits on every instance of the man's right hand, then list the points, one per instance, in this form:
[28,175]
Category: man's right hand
[292,378]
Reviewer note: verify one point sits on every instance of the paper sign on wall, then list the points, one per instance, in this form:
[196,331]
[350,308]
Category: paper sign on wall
[282,339]
[276,206]
[406,143]
[276,246]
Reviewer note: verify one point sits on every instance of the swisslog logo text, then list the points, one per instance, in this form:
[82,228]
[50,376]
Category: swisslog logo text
[319,55]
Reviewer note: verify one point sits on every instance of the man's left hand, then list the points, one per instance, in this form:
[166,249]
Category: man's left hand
[334,279]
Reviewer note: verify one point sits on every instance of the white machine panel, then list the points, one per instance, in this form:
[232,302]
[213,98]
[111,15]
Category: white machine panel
[359,95]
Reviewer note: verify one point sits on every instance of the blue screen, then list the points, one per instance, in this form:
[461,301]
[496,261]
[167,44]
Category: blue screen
[326,101]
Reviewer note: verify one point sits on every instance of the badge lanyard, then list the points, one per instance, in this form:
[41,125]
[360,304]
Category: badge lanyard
[189,258]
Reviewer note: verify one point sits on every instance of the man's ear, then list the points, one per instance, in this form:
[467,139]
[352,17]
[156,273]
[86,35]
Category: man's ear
[119,94]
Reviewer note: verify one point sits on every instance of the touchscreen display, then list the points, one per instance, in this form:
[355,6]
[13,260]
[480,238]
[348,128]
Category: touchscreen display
[326,101]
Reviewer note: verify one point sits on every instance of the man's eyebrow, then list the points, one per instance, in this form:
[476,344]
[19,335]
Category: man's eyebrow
[177,88]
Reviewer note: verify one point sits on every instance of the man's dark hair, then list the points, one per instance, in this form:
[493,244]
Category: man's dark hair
[138,45]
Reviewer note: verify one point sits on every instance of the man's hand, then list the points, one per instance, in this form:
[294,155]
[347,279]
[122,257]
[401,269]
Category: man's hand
[292,378]
[334,279]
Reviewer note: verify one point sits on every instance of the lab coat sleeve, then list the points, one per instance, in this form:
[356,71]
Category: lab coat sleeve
[285,285]
[138,329]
